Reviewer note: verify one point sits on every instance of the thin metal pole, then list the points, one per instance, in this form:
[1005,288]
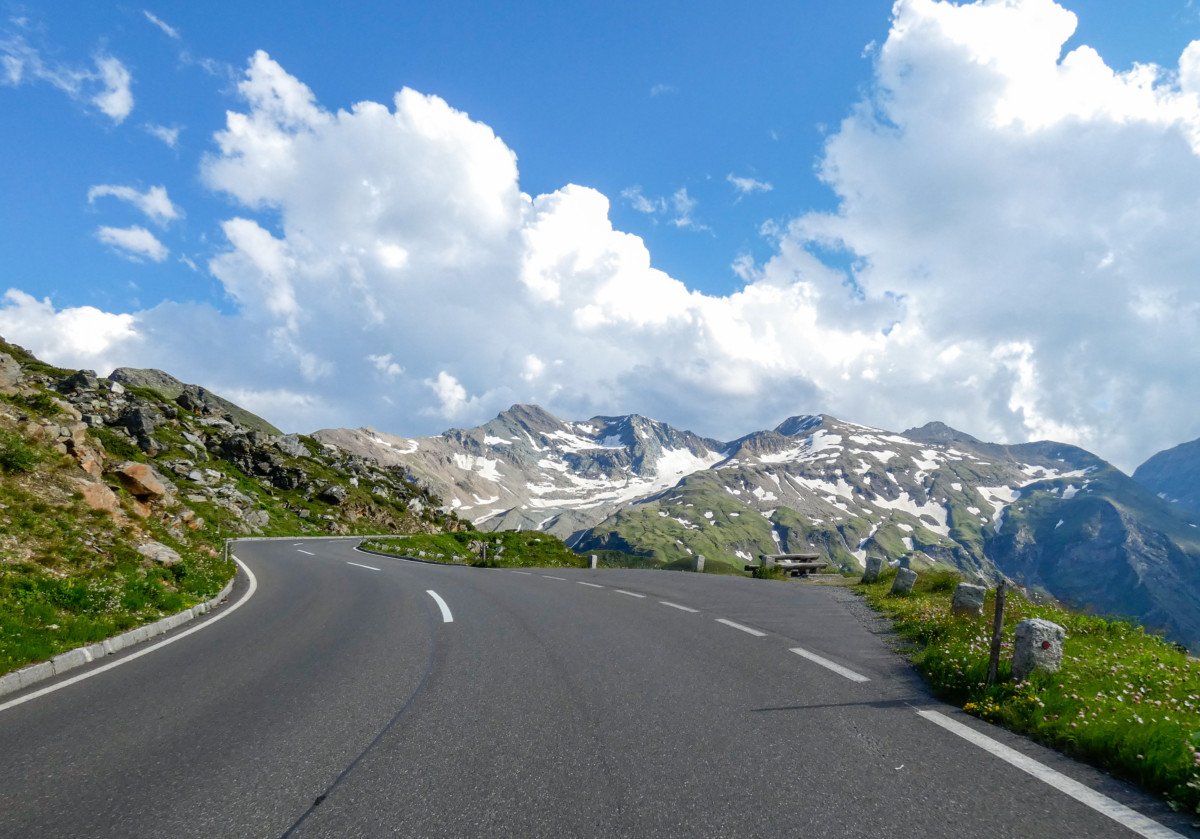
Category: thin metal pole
[997,632]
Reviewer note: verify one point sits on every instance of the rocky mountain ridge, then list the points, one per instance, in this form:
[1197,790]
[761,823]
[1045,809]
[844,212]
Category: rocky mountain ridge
[1050,515]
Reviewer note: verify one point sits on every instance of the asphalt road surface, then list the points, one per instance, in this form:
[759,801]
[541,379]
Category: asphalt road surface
[344,699]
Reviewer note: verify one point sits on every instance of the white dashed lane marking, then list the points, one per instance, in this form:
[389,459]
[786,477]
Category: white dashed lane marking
[745,629]
[446,616]
[630,593]
[680,608]
[835,667]
[360,565]
[590,585]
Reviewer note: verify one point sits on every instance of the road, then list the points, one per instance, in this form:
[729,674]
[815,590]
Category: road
[343,699]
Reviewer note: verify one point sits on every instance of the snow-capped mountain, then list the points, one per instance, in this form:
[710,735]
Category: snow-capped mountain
[527,469]
[1050,515]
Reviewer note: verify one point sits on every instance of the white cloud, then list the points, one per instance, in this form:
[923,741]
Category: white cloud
[134,243]
[747,186]
[115,100]
[1020,262]
[641,203]
[153,202]
[661,89]
[82,336]
[167,29]
[107,87]
[168,134]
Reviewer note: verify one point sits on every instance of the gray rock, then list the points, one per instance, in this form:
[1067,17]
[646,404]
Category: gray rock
[160,553]
[968,599]
[258,519]
[10,371]
[194,439]
[1037,646]
[905,577]
[873,570]
[83,380]
[332,494]
[140,421]
[290,445]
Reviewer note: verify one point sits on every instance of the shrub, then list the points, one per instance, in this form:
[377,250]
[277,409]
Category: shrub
[16,455]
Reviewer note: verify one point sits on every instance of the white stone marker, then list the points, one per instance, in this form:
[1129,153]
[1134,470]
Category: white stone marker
[593,560]
[1038,646]
[968,600]
[698,564]
[874,569]
[905,577]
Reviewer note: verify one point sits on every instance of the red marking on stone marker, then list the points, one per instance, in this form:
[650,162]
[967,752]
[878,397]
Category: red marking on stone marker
[1045,645]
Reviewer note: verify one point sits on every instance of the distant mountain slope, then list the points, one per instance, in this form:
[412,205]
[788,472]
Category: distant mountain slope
[1174,475]
[527,469]
[172,389]
[1049,515]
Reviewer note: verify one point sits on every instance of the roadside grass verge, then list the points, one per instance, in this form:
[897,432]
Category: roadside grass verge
[505,549]
[1124,700]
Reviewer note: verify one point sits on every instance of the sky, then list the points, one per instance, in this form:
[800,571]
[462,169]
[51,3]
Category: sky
[412,215]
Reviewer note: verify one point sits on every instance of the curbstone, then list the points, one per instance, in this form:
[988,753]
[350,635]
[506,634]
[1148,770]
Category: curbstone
[10,682]
[36,673]
[70,660]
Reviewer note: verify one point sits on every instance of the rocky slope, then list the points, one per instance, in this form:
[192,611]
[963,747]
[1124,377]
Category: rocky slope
[115,498]
[1048,515]
[1174,476]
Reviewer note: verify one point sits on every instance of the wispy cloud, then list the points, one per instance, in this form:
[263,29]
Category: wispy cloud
[169,30]
[684,205]
[677,209]
[154,202]
[661,89]
[168,134]
[747,186]
[107,87]
[134,243]
[641,203]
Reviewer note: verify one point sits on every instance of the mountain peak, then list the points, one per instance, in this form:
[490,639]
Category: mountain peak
[939,432]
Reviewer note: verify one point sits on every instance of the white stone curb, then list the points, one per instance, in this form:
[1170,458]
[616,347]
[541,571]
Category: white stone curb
[61,663]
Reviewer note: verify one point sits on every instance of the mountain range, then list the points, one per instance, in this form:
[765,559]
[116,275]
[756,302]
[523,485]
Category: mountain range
[1050,516]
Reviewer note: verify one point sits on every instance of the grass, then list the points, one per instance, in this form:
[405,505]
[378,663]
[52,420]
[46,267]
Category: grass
[521,549]
[1124,700]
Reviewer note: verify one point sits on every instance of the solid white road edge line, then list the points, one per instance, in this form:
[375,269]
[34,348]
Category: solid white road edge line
[630,593]
[746,629]
[589,585]
[1135,821]
[303,552]
[548,577]
[360,565]
[834,666]
[677,606]
[60,685]
[446,616]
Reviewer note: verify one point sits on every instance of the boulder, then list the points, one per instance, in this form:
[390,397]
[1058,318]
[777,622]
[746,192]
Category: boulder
[83,380]
[290,445]
[99,497]
[140,421]
[141,480]
[160,553]
[905,578]
[1037,646]
[10,373]
[968,600]
[332,494]
[257,519]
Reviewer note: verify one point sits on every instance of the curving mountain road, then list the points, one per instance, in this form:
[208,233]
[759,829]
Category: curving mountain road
[345,699]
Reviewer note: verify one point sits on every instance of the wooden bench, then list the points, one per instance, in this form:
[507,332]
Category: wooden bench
[794,565]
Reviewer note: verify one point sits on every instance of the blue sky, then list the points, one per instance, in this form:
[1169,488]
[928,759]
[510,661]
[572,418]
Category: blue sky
[744,214]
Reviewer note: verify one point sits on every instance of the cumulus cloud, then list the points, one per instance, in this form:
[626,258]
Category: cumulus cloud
[107,87]
[1013,252]
[154,202]
[134,243]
